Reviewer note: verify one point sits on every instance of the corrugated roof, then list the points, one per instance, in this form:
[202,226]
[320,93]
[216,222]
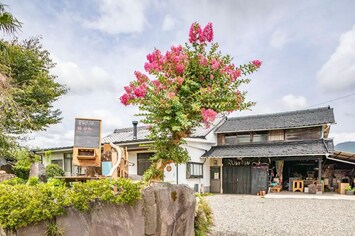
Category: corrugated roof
[284,120]
[273,149]
[126,135]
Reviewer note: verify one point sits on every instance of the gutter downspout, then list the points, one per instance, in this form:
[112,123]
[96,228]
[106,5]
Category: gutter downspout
[333,159]
[177,173]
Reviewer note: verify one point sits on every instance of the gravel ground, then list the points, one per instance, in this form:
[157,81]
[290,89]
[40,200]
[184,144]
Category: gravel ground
[253,215]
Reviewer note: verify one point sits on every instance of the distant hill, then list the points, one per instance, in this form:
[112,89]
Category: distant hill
[346,147]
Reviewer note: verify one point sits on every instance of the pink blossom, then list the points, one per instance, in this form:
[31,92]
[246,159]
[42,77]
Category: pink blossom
[203,60]
[125,99]
[171,95]
[142,78]
[156,83]
[215,64]
[127,89]
[179,80]
[140,91]
[208,32]
[180,68]
[195,31]
[234,74]
[211,76]
[256,63]
[208,116]
[155,61]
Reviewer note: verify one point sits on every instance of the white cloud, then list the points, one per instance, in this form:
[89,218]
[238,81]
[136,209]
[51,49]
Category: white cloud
[119,16]
[338,73]
[81,81]
[293,102]
[278,39]
[57,137]
[168,23]
[343,137]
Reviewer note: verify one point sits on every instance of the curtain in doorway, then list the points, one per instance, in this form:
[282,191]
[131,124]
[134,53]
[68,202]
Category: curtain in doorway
[279,169]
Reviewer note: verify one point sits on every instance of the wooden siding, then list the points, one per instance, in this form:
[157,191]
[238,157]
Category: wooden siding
[220,139]
[274,135]
[303,134]
[277,135]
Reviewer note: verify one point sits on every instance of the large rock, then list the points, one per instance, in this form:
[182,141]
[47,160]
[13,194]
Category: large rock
[169,210]
[38,170]
[33,230]
[5,176]
[104,219]
[165,210]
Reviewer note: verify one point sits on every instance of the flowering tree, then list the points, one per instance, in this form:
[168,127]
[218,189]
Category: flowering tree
[191,85]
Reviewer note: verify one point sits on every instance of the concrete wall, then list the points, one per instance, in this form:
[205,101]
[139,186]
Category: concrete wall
[165,209]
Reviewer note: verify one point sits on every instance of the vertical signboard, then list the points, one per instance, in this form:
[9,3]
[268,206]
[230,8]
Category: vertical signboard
[87,142]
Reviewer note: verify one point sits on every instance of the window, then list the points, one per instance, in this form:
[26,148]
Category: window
[68,162]
[259,137]
[230,139]
[58,162]
[143,162]
[194,170]
[243,138]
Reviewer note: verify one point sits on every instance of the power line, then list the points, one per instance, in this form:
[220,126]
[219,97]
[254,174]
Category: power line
[335,99]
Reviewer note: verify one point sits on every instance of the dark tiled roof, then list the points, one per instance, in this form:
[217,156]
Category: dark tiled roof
[285,120]
[126,135]
[273,149]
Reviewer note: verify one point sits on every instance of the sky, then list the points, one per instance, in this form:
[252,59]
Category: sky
[307,49]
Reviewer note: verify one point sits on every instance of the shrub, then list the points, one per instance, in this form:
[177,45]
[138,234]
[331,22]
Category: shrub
[22,204]
[22,172]
[203,218]
[33,181]
[54,170]
[13,181]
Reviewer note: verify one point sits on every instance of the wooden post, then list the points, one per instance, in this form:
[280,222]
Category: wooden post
[320,170]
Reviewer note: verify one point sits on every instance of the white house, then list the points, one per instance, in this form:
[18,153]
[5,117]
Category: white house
[195,173]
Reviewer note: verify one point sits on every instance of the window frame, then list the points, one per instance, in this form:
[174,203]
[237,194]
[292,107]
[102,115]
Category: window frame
[143,160]
[190,166]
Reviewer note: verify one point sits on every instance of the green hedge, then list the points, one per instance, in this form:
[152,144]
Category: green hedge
[23,204]
[22,172]
[54,170]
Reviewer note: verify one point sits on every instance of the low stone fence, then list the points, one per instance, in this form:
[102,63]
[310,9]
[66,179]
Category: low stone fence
[164,209]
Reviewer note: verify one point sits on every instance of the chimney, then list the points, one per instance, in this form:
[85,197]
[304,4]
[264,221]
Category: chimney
[135,123]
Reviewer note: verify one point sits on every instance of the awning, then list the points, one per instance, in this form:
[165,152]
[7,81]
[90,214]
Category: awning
[304,148]
[345,157]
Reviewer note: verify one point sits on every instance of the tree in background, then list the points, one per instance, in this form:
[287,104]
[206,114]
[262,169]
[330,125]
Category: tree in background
[27,89]
[191,85]
[8,23]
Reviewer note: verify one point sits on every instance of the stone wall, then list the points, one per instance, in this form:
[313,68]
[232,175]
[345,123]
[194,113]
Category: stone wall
[164,209]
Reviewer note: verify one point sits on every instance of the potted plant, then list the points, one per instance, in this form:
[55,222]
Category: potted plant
[349,190]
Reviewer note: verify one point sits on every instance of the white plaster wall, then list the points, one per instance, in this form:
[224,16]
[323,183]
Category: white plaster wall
[54,156]
[196,148]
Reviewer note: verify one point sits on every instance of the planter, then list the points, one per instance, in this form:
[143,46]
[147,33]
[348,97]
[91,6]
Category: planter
[349,192]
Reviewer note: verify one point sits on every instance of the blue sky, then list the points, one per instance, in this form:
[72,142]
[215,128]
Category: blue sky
[307,49]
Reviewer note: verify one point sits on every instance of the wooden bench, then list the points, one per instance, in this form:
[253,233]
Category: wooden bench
[275,189]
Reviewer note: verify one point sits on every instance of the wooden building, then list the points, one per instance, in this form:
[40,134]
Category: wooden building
[251,150]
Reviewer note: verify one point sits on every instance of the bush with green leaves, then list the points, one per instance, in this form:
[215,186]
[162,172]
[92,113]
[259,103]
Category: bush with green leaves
[203,217]
[24,159]
[54,170]
[22,172]
[23,204]
[32,181]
